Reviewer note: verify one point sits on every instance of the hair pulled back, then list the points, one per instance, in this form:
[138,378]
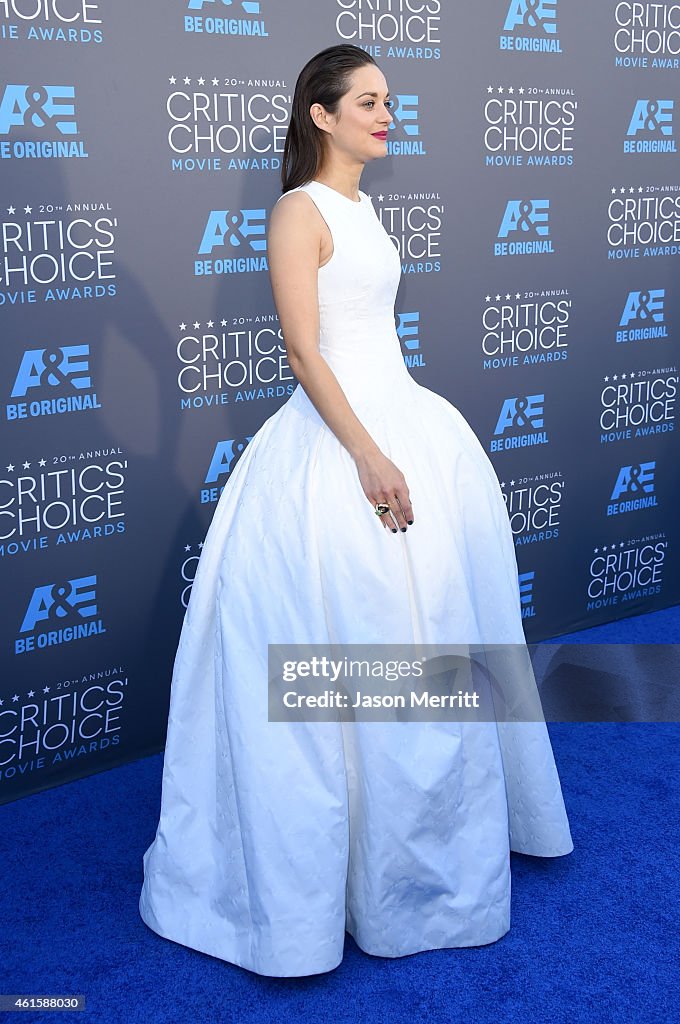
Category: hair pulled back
[324,79]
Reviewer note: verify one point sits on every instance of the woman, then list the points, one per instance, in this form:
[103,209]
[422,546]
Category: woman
[364,510]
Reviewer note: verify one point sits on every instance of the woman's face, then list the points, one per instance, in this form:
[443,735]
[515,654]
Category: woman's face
[359,130]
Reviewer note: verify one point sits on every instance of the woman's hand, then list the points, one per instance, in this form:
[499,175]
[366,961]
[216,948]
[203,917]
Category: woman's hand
[382,481]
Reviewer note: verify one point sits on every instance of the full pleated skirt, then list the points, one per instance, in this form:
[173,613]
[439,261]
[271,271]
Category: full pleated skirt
[276,837]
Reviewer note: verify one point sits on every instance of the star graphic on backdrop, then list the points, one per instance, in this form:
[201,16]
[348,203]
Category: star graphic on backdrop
[201,81]
[223,323]
[487,298]
[28,209]
[196,325]
[210,323]
[10,209]
[498,298]
[187,81]
[10,468]
[215,81]
[42,463]
[182,327]
[521,89]
[380,198]
[27,465]
[187,547]
[172,80]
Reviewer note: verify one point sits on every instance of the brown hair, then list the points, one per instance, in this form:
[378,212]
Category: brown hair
[324,79]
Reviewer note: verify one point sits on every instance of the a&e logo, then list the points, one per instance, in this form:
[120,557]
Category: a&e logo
[634,489]
[645,312]
[239,232]
[651,128]
[41,372]
[47,109]
[233,24]
[408,332]
[531,25]
[526,224]
[58,613]
[526,594]
[518,423]
[224,458]
[405,126]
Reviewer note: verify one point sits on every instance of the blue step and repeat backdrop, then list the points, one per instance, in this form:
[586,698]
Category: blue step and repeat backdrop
[533,192]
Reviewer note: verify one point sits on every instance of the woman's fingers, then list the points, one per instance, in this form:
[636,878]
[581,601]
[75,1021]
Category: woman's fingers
[400,515]
[397,513]
[384,484]
[405,505]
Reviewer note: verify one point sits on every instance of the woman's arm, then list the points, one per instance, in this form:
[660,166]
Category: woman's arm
[298,240]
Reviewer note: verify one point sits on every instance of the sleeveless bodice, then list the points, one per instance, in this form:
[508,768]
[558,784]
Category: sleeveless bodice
[357,288]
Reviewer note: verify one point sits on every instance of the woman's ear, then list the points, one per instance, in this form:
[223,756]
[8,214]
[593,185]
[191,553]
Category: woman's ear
[319,116]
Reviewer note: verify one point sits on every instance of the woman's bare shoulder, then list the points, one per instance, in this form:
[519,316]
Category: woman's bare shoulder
[295,210]
[294,204]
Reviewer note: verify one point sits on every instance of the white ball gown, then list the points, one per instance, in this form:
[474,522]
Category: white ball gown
[274,838]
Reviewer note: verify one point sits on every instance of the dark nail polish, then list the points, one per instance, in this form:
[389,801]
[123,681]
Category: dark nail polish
[403,529]
[410,522]
[394,529]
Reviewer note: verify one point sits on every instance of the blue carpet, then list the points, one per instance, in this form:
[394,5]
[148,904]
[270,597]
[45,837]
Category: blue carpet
[593,935]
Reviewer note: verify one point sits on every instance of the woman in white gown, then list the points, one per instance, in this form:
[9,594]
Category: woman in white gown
[276,837]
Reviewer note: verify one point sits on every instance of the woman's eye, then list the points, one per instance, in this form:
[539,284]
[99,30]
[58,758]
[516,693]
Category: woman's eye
[389,103]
